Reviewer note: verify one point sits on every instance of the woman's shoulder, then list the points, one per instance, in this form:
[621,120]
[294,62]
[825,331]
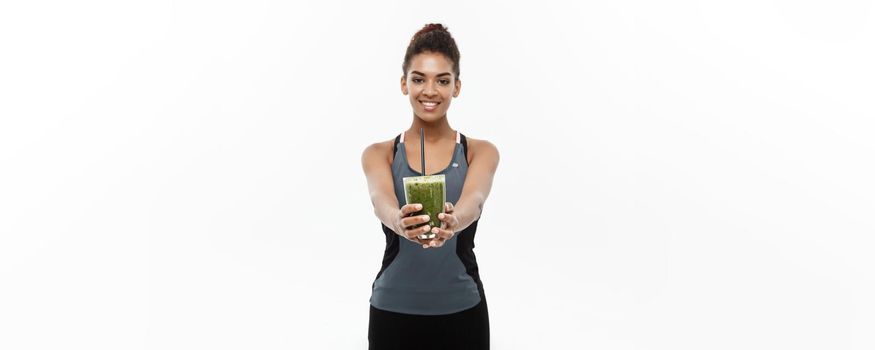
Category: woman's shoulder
[381,150]
[482,148]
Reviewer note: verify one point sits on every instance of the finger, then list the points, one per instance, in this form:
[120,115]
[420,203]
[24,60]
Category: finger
[410,208]
[446,217]
[448,207]
[448,221]
[413,234]
[421,242]
[443,234]
[425,243]
[414,220]
[438,242]
[441,237]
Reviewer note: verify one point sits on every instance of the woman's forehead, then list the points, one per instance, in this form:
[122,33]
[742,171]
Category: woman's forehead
[428,63]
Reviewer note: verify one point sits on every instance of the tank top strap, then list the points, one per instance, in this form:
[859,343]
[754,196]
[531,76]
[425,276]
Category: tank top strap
[398,139]
[459,139]
[464,142]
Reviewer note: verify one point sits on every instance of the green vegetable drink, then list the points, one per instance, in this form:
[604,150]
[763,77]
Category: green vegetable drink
[431,192]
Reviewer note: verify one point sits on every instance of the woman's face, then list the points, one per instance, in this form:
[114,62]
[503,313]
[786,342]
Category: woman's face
[430,85]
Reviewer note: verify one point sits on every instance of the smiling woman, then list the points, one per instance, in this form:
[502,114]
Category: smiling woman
[428,293]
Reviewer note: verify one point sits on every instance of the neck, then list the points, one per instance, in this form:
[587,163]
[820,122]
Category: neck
[434,131]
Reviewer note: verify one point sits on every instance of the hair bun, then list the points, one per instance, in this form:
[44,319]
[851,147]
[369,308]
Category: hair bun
[429,28]
[433,37]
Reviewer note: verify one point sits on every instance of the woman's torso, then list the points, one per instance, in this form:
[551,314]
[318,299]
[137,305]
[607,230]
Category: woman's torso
[432,281]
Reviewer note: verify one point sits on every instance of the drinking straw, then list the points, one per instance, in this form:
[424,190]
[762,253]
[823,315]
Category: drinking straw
[422,149]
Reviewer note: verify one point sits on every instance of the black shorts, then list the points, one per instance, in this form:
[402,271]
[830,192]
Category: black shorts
[463,330]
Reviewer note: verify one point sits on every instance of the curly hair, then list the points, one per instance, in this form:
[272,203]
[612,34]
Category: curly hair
[433,37]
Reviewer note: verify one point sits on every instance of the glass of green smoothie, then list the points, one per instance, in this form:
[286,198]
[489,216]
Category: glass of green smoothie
[431,192]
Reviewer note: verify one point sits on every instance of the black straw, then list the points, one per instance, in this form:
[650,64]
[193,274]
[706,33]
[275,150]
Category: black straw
[422,149]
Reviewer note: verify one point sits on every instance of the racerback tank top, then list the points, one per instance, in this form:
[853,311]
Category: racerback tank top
[429,281]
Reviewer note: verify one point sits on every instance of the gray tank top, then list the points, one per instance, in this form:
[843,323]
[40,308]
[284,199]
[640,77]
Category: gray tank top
[432,281]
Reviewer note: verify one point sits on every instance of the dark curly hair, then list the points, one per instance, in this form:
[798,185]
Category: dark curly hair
[433,37]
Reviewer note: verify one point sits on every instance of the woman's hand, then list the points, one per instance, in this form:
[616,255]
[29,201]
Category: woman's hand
[404,222]
[449,223]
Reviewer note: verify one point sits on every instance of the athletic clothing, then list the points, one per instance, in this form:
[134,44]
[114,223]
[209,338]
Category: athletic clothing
[464,330]
[429,298]
[432,281]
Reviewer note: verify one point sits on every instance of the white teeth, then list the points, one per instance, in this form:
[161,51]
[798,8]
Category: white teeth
[429,104]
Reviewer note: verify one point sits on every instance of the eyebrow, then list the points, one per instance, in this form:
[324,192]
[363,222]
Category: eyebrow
[439,75]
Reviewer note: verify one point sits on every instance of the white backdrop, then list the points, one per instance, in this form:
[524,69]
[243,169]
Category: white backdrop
[674,175]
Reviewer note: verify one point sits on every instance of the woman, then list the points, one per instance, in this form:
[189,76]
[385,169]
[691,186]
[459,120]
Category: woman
[428,293]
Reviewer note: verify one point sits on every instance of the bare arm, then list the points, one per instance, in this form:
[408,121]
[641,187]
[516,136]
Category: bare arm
[478,183]
[378,170]
[379,174]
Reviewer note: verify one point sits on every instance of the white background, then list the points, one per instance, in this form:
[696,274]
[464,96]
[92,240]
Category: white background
[674,175]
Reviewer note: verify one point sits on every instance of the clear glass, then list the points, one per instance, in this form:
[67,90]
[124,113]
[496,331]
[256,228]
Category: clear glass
[431,192]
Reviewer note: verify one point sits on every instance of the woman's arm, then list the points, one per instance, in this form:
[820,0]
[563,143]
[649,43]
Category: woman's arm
[376,163]
[378,170]
[478,183]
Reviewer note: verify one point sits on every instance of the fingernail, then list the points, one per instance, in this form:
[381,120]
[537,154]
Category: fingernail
[441,216]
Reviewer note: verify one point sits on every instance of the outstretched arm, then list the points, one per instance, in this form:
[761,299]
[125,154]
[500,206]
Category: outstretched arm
[375,163]
[478,184]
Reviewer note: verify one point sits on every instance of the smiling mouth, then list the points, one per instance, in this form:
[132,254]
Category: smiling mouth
[429,105]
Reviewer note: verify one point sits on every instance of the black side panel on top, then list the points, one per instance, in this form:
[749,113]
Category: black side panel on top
[465,245]
[390,253]
[391,238]
[465,251]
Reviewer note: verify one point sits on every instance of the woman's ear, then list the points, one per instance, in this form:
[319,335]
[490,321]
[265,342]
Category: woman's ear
[404,84]
[458,88]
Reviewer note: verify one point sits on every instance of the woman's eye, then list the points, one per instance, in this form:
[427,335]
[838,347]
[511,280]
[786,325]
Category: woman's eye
[420,80]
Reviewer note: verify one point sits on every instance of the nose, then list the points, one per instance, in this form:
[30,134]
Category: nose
[429,89]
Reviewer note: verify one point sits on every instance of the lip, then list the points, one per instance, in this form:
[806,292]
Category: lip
[429,108]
